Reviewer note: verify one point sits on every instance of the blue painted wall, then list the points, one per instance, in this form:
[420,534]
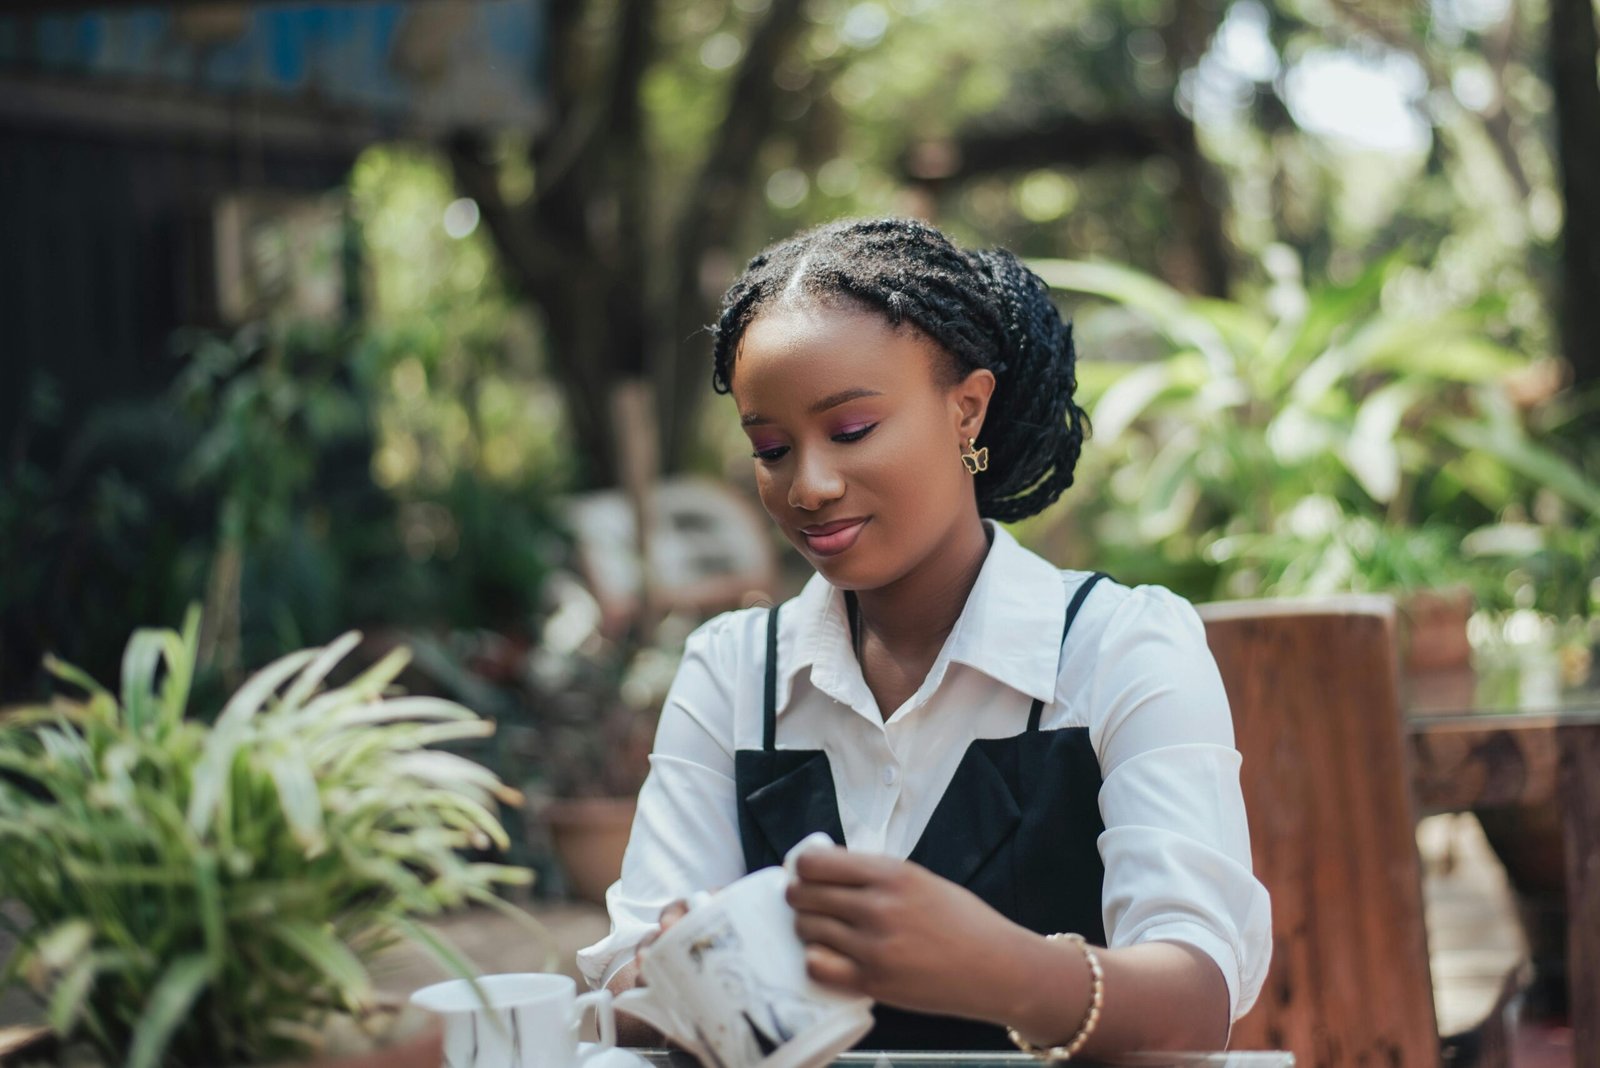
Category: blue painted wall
[480,58]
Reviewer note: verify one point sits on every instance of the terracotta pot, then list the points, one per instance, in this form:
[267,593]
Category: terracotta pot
[1434,629]
[589,836]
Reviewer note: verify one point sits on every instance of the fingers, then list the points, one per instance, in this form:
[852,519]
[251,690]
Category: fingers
[674,912]
[849,903]
[829,933]
[832,968]
[669,916]
[842,867]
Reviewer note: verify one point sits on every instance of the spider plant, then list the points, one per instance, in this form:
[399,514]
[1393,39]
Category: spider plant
[202,894]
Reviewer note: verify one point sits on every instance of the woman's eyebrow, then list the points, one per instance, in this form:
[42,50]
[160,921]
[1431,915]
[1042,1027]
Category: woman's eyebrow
[832,400]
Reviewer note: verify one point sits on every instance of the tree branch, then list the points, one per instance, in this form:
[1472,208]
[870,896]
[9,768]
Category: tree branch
[1059,140]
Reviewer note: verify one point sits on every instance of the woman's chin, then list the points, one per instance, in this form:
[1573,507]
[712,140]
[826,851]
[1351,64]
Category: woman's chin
[847,573]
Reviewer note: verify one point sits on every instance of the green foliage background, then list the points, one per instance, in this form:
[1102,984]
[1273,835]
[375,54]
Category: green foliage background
[403,467]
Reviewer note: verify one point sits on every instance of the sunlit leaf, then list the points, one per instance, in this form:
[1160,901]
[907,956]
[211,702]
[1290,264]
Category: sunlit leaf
[216,762]
[297,793]
[139,663]
[303,687]
[1371,452]
[1167,309]
[1127,399]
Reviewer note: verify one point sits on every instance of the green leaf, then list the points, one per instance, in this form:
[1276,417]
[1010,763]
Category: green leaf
[75,675]
[306,685]
[449,771]
[72,989]
[168,1004]
[527,921]
[212,923]
[438,948]
[249,699]
[1166,309]
[63,944]
[181,650]
[215,766]
[297,793]
[375,679]
[396,709]
[1532,461]
[1371,453]
[318,947]
[1331,310]
[139,663]
[1126,400]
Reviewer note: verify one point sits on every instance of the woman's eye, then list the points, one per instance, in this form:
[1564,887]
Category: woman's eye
[856,435]
[772,455]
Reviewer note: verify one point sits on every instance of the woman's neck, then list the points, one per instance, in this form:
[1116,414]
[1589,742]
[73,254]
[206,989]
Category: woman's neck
[915,613]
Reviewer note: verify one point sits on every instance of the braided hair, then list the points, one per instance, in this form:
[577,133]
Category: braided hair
[984,308]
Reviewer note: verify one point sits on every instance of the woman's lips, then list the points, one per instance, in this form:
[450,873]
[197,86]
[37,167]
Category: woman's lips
[830,539]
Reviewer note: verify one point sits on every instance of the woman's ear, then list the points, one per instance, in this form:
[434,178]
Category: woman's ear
[969,403]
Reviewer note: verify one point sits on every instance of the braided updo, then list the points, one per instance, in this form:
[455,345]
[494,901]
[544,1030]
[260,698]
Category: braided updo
[984,308]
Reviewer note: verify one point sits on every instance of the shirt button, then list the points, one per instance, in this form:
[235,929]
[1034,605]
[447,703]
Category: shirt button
[889,775]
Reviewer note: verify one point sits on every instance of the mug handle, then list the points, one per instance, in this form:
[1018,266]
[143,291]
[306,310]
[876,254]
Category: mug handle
[605,1020]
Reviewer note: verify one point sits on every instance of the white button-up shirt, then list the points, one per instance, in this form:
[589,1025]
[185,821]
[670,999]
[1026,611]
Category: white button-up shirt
[1135,671]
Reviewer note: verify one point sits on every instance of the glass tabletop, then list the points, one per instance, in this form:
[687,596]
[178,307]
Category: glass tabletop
[661,1058]
[1521,664]
[1500,689]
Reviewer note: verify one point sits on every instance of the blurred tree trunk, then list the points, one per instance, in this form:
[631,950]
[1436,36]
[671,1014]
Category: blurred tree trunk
[1574,52]
[586,246]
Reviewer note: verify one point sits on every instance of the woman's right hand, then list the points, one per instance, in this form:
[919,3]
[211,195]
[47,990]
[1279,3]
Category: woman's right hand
[670,915]
[632,1031]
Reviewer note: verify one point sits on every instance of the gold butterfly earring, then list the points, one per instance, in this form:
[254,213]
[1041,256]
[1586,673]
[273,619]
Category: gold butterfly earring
[974,458]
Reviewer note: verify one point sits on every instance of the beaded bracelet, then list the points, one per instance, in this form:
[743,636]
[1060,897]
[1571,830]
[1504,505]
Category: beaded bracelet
[1091,1016]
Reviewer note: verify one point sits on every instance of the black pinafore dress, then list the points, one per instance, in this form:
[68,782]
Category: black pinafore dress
[1018,826]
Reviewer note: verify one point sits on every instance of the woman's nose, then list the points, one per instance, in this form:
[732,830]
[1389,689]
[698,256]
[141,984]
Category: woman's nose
[816,482]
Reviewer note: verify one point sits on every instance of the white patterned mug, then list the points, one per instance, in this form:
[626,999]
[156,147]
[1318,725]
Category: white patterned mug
[521,1020]
[728,982]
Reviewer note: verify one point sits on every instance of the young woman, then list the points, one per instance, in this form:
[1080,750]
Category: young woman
[1007,751]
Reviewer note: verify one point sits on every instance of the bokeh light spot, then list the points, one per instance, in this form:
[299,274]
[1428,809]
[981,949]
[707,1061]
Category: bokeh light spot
[461,217]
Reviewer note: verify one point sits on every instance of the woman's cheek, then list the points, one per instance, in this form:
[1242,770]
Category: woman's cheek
[768,488]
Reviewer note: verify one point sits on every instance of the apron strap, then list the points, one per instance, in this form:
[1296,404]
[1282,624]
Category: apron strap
[1088,584]
[769,710]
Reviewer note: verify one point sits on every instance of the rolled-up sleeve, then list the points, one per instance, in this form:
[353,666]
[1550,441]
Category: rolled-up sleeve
[685,835]
[1176,846]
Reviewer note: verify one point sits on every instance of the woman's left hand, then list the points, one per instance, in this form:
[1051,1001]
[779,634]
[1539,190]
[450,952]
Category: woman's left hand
[895,931]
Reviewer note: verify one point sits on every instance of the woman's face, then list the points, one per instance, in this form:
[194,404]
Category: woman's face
[857,438]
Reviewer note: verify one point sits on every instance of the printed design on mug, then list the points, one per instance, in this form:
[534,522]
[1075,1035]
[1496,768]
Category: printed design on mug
[514,1060]
[753,1017]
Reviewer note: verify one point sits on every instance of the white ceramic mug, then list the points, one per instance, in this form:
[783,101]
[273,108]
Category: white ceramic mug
[728,982]
[523,1020]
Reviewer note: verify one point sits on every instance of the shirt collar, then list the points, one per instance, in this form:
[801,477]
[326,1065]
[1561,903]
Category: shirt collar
[1009,629]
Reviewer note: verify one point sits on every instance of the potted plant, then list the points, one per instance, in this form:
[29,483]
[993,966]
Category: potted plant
[1291,415]
[578,710]
[211,894]
[596,741]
